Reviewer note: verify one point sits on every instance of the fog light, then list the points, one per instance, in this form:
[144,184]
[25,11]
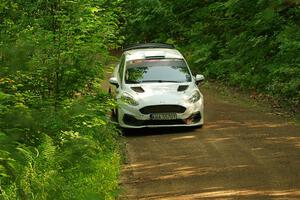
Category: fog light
[194,118]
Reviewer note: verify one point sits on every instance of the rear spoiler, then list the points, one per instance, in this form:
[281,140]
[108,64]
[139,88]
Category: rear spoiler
[149,45]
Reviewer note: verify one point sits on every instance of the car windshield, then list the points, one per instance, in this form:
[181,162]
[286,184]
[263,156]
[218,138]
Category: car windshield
[157,70]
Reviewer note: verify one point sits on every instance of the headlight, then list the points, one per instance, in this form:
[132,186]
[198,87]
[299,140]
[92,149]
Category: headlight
[128,99]
[195,97]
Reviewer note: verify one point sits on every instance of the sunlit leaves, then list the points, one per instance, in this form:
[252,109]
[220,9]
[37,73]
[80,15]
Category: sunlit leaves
[51,59]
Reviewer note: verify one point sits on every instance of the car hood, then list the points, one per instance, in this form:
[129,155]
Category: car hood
[162,93]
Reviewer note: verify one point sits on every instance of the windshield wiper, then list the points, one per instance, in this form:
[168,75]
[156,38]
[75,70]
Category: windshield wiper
[132,82]
[161,81]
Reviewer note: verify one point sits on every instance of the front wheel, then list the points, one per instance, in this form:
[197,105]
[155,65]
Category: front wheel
[114,115]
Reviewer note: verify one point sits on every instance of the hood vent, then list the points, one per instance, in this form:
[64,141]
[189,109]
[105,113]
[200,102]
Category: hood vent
[182,88]
[138,89]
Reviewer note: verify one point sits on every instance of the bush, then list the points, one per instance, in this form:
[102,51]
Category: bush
[55,139]
[73,155]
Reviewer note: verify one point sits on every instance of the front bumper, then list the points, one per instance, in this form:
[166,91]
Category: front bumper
[132,117]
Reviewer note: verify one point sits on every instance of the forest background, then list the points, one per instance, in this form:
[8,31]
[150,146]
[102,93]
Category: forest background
[55,135]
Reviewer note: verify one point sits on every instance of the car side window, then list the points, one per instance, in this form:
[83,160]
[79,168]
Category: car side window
[121,68]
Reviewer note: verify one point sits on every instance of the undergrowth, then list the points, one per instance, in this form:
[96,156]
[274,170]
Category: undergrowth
[70,153]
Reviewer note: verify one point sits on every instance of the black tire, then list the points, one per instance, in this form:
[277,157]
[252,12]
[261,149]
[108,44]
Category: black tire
[114,115]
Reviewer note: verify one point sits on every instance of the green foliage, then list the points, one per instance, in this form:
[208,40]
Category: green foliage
[59,43]
[55,138]
[149,20]
[69,153]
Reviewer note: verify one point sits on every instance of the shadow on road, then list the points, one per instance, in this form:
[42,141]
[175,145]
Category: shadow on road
[157,131]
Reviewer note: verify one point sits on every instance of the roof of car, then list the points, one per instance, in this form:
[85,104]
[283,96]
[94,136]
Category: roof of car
[148,53]
[149,45]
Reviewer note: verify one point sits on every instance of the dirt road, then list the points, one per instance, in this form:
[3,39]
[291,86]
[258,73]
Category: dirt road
[240,153]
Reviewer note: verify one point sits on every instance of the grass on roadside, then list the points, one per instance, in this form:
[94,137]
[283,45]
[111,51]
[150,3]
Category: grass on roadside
[69,153]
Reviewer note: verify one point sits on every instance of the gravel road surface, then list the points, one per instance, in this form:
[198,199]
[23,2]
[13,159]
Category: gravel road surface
[241,153]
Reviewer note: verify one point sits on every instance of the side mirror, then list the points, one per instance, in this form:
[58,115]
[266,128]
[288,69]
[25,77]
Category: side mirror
[199,79]
[114,81]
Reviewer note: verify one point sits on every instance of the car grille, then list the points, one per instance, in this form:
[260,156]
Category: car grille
[162,109]
[130,120]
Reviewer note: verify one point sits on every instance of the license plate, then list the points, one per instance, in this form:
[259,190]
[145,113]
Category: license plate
[163,116]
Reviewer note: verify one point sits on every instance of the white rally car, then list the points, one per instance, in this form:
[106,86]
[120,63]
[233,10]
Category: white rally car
[155,88]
